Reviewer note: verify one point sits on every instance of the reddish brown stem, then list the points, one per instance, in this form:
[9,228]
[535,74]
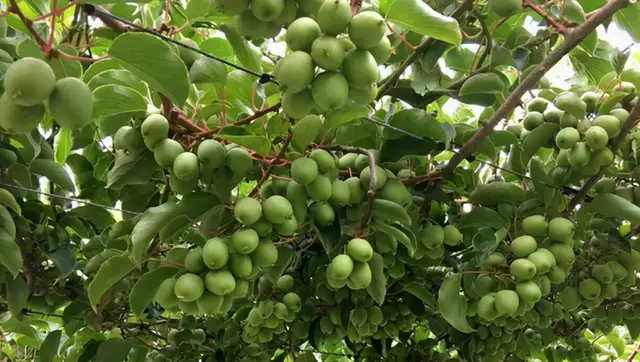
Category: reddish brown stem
[176,116]
[267,172]
[634,354]
[52,32]
[13,8]
[56,12]
[241,122]
[547,17]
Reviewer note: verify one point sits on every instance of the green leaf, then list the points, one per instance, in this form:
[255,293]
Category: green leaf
[247,55]
[390,211]
[631,76]
[62,145]
[99,67]
[306,131]
[345,115]
[64,259]
[416,122]
[6,222]
[153,61]
[628,20]
[131,169]
[378,288]
[112,350]
[109,100]
[612,205]
[503,138]
[190,210]
[99,217]
[11,256]
[538,138]
[145,289]
[330,235]
[285,257]
[111,272]
[485,242]
[420,291]
[121,77]
[241,136]
[396,149]
[27,145]
[418,17]
[617,343]
[150,224]
[608,104]
[396,231]
[54,172]
[485,83]
[452,305]
[7,199]
[49,348]
[17,295]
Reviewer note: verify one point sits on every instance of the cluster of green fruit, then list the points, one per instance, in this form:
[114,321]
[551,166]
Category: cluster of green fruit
[217,273]
[261,18]
[350,65]
[29,84]
[187,168]
[344,271]
[268,318]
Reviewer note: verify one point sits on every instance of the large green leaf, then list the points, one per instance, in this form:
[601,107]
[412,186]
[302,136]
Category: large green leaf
[242,137]
[285,256]
[378,287]
[131,169]
[17,294]
[54,172]
[49,348]
[452,305]
[416,122]
[145,289]
[62,145]
[150,224]
[8,200]
[153,61]
[112,350]
[190,210]
[247,55]
[417,16]
[109,100]
[11,256]
[625,18]
[108,275]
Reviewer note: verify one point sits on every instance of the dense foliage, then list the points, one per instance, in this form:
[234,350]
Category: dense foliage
[301,180]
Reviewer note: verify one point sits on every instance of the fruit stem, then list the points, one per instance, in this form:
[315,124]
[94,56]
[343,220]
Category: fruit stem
[267,172]
[56,12]
[548,18]
[247,120]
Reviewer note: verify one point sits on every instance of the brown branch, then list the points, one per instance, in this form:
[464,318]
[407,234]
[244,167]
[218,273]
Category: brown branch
[573,38]
[421,48]
[547,17]
[267,172]
[241,122]
[634,354]
[372,184]
[632,120]
[13,8]
[175,116]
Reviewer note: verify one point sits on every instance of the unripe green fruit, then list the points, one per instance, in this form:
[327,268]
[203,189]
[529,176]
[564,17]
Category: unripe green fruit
[563,253]
[15,119]
[363,95]
[360,250]
[496,259]
[323,214]
[285,283]
[280,310]
[182,187]
[596,138]
[220,282]
[188,56]
[209,303]
[591,100]
[609,291]
[568,120]
[334,16]
[532,120]
[295,71]
[567,138]
[288,14]
[452,235]
[248,25]
[154,129]
[560,229]
[277,209]
[8,157]
[325,161]
[506,302]
[529,291]
[266,254]
[245,241]
[360,68]
[394,190]
[297,105]
[212,154]
[287,228]
[557,275]
[523,246]
[365,177]
[189,308]
[186,166]
[165,152]
[348,161]
[432,236]
[356,191]
[340,194]
[606,186]
[484,284]
[239,161]
[382,50]
[360,277]
[579,155]
[570,298]
[165,296]
[302,33]
[589,289]
[189,287]
[486,308]
[621,114]
[242,285]
[435,253]
[71,103]
[366,29]
[327,52]
[292,301]
[297,195]
[280,186]
[535,225]
[611,124]
[522,269]
[619,271]
[320,189]
[553,115]
[304,170]
[193,262]
[505,8]
[29,81]
[215,253]
[602,273]
[240,265]
[358,316]
[267,10]
[571,103]
[516,129]
[248,211]
[231,7]
[330,91]
[128,138]
[543,261]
